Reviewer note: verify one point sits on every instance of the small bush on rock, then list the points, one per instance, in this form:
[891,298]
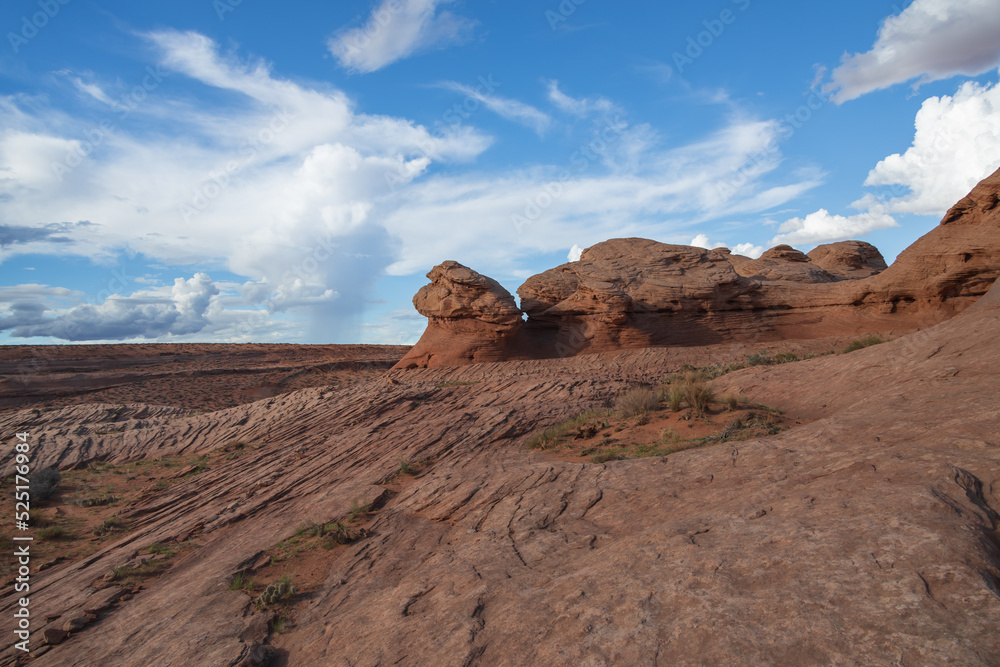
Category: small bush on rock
[44,483]
[637,401]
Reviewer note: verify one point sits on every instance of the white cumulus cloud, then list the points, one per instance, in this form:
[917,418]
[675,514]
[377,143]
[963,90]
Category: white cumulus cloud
[930,39]
[701,241]
[956,145]
[278,186]
[747,249]
[822,227]
[143,314]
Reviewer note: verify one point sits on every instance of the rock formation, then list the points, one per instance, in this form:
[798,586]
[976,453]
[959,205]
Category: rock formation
[848,259]
[470,319]
[632,293]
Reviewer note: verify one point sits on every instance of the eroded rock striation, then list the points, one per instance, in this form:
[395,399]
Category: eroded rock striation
[633,293]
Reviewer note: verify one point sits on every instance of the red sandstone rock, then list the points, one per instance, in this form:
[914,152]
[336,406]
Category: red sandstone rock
[633,293]
[470,319]
[76,623]
[783,263]
[950,267]
[848,259]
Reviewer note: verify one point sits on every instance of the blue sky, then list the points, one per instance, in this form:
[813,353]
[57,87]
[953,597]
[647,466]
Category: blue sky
[227,171]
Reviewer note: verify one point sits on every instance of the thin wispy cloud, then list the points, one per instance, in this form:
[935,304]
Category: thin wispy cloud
[511,109]
[397,29]
[582,106]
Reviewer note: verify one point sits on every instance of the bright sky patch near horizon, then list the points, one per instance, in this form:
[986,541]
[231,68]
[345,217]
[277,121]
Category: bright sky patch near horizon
[225,171]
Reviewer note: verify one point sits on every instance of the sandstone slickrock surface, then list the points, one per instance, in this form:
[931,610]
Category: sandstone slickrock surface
[634,293]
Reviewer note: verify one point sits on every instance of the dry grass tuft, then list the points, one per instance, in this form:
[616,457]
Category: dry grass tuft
[637,401]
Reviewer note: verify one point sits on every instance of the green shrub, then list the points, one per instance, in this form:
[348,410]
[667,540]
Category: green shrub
[610,455]
[312,529]
[93,501]
[749,426]
[358,510]
[862,343]
[241,582]
[38,519]
[339,534]
[157,548]
[54,533]
[675,396]
[44,483]
[762,358]
[583,424]
[110,525]
[668,436]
